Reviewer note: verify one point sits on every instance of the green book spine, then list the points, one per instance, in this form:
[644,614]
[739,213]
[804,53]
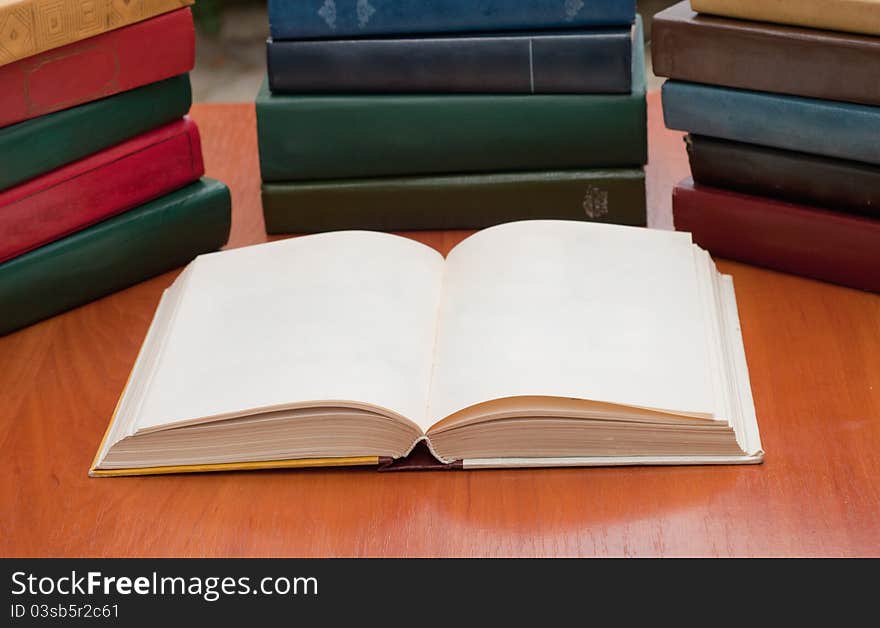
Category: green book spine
[34,147]
[456,202]
[114,254]
[341,137]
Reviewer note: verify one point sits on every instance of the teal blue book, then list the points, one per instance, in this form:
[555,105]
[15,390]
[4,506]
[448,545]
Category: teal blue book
[114,254]
[359,136]
[34,147]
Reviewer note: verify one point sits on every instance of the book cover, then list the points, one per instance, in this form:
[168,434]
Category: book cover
[854,16]
[807,125]
[835,184]
[801,240]
[455,201]
[563,62]
[104,184]
[28,27]
[117,61]
[114,254]
[765,57]
[305,138]
[34,147]
[308,19]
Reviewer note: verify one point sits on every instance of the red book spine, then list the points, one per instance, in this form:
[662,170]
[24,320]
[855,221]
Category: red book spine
[97,187]
[94,68]
[829,246]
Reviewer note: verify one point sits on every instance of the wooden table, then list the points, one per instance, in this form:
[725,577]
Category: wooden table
[813,350]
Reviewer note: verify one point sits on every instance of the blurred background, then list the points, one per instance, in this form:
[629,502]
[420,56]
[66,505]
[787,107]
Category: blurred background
[231,54]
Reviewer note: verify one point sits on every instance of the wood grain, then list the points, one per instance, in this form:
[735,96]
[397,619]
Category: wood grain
[813,350]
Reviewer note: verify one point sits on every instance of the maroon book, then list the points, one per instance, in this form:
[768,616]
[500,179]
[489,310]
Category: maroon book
[830,246]
[102,185]
[116,61]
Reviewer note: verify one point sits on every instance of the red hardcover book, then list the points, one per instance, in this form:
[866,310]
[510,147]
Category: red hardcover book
[829,246]
[107,183]
[94,68]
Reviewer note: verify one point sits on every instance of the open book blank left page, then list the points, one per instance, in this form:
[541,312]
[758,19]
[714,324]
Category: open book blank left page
[335,317]
[579,310]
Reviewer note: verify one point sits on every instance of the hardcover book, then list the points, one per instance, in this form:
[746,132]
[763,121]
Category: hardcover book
[114,254]
[623,347]
[807,125]
[558,62]
[305,138]
[798,239]
[855,16]
[28,27]
[835,184]
[456,201]
[107,183]
[309,19]
[101,66]
[34,147]
[765,57]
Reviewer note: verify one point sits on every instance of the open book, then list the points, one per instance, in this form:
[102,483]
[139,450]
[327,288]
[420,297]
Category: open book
[542,343]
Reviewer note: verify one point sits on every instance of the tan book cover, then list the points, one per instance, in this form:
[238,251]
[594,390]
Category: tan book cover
[28,27]
[852,16]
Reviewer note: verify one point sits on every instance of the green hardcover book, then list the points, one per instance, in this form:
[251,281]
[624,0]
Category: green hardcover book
[114,254]
[456,202]
[344,137]
[31,148]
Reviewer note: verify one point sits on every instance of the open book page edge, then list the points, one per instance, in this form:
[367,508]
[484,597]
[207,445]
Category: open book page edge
[303,463]
[616,461]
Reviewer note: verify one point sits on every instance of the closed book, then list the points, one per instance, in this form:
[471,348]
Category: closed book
[562,62]
[854,16]
[114,254]
[808,125]
[836,184]
[307,19]
[305,138]
[92,189]
[146,52]
[34,147]
[28,27]
[797,239]
[455,201]
[765,57]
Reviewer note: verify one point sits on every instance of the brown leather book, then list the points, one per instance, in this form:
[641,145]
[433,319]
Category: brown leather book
[797,239]
[838,184]
[765,57]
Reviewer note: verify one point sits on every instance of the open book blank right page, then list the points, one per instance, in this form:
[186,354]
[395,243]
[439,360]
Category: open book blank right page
[584,311]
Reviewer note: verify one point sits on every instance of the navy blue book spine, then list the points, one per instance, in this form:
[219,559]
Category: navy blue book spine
[808,125]
[310,19]
[570,62]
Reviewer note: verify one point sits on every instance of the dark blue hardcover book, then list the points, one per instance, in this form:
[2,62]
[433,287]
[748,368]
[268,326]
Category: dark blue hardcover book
[309,19]
[808,125]
[595,61]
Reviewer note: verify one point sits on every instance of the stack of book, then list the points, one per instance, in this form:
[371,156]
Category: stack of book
[394,115]
[100,169]
[781,101]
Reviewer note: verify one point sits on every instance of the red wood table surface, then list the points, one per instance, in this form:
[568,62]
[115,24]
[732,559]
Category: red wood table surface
[813,351]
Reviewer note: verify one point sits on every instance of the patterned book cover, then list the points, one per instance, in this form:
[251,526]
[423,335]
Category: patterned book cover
[28,27]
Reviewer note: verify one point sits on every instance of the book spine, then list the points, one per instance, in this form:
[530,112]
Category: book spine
[818,127]
[34,147]
[101,66]
[577,62]
[92,189]
[797,177]
[29,27]
[765,57]
[114,254]
[854,16]
[456,202]
[308,19]
[305,138]
[838,248]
